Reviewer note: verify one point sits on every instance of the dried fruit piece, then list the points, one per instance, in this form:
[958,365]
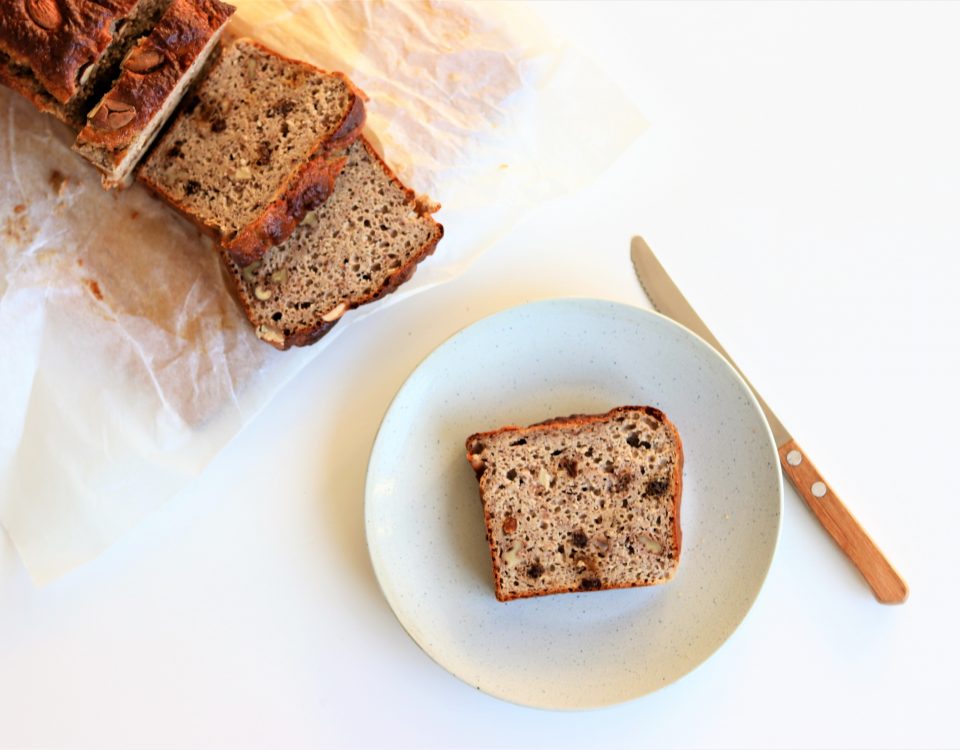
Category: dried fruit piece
[657,487]
[569,465]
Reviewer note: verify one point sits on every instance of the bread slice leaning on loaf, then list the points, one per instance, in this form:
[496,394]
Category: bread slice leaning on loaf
[359,245]
[252,151]
[154,76]
[581,503]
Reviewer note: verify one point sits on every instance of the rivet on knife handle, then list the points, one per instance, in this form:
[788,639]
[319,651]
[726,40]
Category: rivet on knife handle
[887,585]
[833,516]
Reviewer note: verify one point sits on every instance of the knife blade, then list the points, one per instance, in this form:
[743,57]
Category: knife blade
[883,579]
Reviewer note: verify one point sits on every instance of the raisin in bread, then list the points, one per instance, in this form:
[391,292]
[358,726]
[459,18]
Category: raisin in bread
[153,78]
[361,244]
[250,153]
[581,503]
[60,53]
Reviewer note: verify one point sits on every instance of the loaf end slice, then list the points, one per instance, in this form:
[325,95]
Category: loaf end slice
[61,53]
[154,77]
[361,244]
[581,503]
[249,154]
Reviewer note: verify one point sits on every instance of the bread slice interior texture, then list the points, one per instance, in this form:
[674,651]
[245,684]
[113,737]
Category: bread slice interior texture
[255,123]
[360,244]
[581,503]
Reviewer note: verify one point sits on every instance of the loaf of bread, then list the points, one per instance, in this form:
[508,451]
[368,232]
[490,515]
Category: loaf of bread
[153,78]
[252,156]
[361,244]
[57,53]
[581,503]
[252,151]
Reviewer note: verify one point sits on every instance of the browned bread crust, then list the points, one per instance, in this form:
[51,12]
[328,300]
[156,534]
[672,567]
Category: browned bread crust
[20,79]
[151,72]
[307,188]
[57,39]
[477,443]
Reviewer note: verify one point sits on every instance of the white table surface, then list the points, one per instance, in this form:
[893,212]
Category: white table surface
[800,178]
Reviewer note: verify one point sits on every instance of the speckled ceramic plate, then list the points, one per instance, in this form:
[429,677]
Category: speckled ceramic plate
[425,527]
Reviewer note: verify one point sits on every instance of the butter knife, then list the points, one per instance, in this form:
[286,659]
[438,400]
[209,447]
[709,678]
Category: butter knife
[887,585]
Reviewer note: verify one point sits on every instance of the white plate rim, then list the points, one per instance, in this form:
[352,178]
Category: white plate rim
[436,352]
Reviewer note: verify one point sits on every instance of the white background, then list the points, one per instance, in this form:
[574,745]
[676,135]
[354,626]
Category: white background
[800,179]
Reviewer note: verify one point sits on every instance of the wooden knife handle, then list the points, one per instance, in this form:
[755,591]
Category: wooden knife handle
[886,583]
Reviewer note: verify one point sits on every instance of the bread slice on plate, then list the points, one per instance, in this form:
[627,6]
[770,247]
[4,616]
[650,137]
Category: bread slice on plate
[153,78]
[251,151]
[581,503]
[361,244]
[59,53]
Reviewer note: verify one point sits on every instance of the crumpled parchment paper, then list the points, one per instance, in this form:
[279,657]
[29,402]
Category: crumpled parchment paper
[126,365]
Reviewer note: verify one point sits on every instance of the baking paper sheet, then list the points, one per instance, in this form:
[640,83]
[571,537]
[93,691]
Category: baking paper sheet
[125,364]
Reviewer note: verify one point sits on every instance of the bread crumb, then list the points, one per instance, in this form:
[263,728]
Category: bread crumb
[94,289]
[58,181]
[17,230]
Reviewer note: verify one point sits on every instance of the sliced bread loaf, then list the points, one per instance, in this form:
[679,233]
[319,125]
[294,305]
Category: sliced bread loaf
[361,244]
[249,154]
[154,77]
[581,503]
[61,53]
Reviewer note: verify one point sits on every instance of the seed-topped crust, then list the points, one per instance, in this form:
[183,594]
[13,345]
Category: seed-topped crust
[56,39]
[55,52]
[153,77]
